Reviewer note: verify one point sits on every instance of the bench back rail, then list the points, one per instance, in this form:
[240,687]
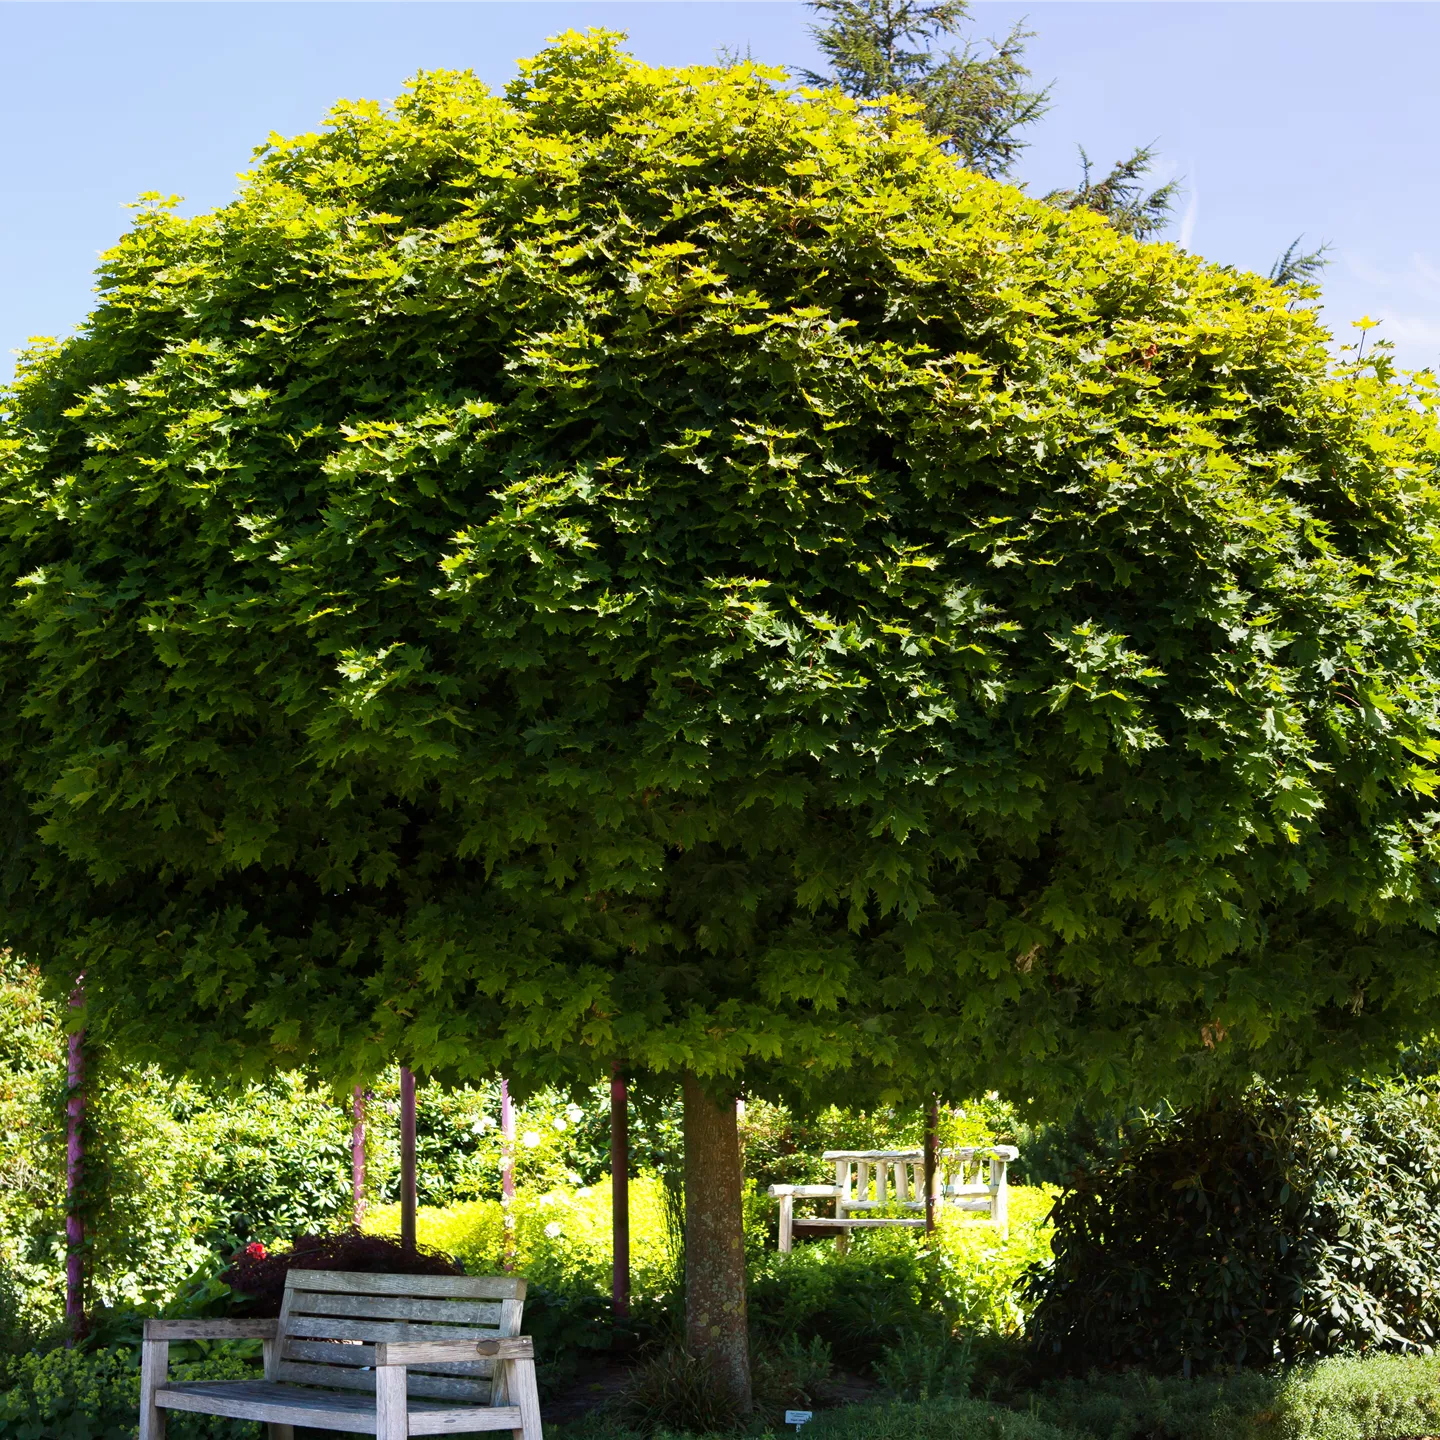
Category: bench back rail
[967,1178]
[330,1322]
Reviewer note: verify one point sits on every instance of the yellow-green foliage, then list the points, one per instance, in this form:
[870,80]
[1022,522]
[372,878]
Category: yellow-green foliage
[984,1267]
[560,1236]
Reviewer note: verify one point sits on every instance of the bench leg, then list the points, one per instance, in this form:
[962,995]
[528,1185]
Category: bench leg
[154,1370]
[525,1394]
[279,1432]
[787,1222]
[392,1420]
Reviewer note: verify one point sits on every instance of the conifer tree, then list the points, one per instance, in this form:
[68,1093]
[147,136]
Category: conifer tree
[975,104]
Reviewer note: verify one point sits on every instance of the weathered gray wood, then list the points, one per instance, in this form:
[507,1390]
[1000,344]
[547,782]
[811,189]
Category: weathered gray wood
[345,1354]
[325,1409]
[870,1222]
[524,1393]
[264,1400]
[421,1382]
[466,1422]
[399,1307]
[329,1352]
[511,1314]
[282,1331]
[392,1414]
[431,1352]
[210,1329]
[787,1216]
[327,1327]
[332,1326]
[972,1179]
[154,1367]
[508,1347]
[963,1152]
[459,1287]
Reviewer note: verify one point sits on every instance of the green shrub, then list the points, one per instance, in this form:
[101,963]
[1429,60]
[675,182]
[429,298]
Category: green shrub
[1123,1406]
[675,1390]
[1268,1229]
[1376,1397]
[858,1300]
[925,1364]
[95,1395]
[985,1271]
[944,1420]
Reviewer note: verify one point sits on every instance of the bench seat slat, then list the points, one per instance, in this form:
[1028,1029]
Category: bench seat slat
[397,1307]
[469,1287]
[325,1410]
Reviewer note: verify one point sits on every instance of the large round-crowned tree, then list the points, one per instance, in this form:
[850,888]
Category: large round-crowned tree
[658,567]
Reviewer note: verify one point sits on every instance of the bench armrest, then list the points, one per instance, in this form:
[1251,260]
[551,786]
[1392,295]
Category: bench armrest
[442,1352]
[210,1329]
[813,1192]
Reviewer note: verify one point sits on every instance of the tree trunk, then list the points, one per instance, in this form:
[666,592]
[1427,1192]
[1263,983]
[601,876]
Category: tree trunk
[74,1178]
[715,1320]
[619,1195]
[357,1157]
[407,1160]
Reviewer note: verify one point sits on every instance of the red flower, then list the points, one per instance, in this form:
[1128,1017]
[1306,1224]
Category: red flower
[255,1250]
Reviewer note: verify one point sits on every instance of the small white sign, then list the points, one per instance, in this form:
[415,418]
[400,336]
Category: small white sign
[797,1418]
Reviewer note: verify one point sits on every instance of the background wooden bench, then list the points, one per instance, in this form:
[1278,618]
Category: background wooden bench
[968,1178]
[385,1355]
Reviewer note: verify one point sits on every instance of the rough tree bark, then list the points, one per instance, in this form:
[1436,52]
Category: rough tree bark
[715,1319]
[619,1195]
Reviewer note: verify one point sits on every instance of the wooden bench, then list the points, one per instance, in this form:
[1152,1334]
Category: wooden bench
[969,1178]
[385,1355]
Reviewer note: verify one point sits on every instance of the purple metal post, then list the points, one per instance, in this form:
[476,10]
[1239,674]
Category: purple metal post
[619,1194]
[407,1160]
[74,1177]
[507,1170]
[357,1157]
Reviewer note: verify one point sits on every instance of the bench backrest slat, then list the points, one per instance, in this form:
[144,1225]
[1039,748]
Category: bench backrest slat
[330,1322]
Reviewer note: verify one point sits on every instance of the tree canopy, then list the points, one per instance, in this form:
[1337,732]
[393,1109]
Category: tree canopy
[653,565]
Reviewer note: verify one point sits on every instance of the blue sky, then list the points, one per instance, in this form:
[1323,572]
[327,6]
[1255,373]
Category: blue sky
[1321,118]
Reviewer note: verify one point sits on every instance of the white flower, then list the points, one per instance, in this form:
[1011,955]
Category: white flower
[575,1113]
[530,1139]
[553,1229]
[482,1125]
[559,1122]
